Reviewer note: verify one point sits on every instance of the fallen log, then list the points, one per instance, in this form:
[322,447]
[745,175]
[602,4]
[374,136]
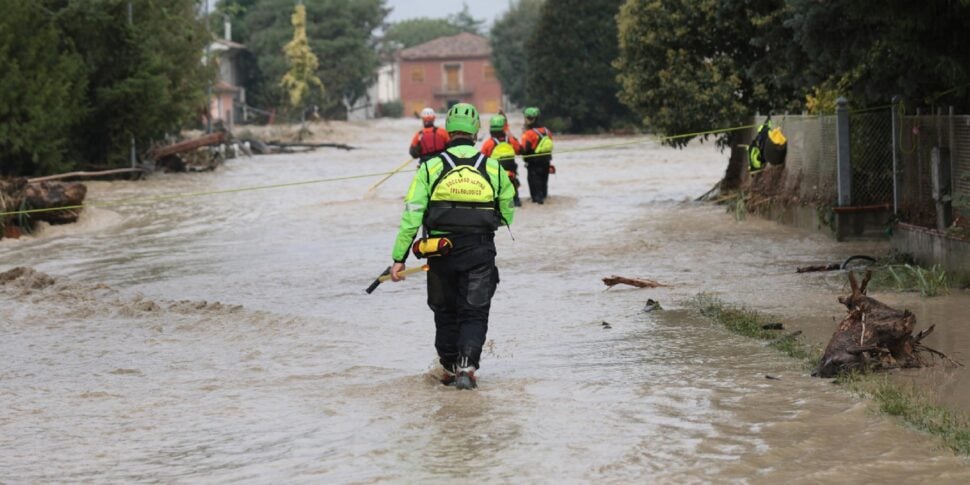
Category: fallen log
[285,145]
[137,172]
[637,282]
[873,336]
[836,266]
[821,267]
[188,145]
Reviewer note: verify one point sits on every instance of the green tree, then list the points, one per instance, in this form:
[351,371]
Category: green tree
[144,79]
[338,31]
[570,74]
[872,50]
[697,65]
[508,39]
[411,32]
[41,85]
[301,79]
[465,22]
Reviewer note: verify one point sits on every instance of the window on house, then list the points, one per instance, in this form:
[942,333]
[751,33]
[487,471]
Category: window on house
[417,74]
[452,77]
[489,72]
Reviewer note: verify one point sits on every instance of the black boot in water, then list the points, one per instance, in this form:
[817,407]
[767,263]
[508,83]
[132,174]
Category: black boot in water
[466,379]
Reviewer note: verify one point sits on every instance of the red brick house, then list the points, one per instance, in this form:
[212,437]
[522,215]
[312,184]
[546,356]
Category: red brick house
[449,70]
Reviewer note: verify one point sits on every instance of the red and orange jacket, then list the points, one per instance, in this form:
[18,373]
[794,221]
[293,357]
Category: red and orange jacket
[489,144]
[530,139]
[428,142]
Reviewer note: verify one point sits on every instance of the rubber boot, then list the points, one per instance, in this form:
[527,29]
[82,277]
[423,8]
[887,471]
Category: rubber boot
[465,374]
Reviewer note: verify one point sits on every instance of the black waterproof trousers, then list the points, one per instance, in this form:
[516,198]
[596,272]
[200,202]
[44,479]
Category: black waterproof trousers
[510,166]
[460,289]
[538,168]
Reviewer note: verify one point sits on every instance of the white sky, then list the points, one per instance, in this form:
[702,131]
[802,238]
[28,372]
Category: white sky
[489,10]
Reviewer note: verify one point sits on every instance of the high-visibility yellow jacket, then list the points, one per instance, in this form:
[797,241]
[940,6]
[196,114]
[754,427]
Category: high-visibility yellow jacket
[419,199]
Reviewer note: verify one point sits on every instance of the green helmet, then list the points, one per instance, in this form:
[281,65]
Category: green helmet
[463,118]
[531,112]
[496,123]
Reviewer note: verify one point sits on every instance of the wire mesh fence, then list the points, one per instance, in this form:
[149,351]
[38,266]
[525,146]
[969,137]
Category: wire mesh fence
[809,174]
[871,155]
[918,135]
[960,160]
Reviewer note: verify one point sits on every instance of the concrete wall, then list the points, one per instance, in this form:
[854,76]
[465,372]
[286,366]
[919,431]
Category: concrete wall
[930,246]
[423,83]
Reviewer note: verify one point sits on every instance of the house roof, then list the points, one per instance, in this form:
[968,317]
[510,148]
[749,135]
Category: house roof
[454,46]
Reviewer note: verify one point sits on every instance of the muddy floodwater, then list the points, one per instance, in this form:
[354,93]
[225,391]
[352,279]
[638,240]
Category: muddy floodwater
[228,338]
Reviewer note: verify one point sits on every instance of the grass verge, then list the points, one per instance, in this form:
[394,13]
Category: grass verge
[906,403]
[932,281]
[752,324]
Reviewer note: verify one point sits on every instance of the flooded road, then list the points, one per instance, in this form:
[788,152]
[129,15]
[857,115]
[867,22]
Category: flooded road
[227,337]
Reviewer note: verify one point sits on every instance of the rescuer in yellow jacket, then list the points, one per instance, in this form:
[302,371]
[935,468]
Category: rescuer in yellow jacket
[457,199]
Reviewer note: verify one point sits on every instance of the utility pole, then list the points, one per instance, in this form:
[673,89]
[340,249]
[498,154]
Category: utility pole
[208,89]
[131,25]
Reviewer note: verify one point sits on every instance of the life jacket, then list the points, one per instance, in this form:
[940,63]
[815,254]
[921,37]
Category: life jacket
[430,142]
[462,198]
[545,143]
[502,150]
[757,146]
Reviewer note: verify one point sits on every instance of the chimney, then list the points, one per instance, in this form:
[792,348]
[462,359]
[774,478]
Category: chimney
[228,26]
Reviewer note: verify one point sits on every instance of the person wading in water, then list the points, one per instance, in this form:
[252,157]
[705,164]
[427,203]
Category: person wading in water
[457,199]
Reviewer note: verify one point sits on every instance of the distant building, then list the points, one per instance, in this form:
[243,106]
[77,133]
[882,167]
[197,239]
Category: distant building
[228,97]
[446,71]
[385,89]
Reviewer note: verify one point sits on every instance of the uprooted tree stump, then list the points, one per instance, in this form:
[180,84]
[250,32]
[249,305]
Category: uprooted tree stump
[873,336]
[21,194]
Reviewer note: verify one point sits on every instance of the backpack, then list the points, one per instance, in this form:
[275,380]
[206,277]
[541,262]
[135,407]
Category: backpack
[462,198]
[545,143]
[503,150]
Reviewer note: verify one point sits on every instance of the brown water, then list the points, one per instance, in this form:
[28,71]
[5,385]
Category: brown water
[228,337]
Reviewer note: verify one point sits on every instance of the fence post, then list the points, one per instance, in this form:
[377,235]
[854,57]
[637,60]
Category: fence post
[940,176]
[843,160]
[897,155]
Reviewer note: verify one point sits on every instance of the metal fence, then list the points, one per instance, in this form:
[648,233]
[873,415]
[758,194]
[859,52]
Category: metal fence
[888,165]
[919,137]
[871,155]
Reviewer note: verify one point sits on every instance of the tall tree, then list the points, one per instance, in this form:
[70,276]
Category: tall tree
[508,39]
[696,65]
[570,74]
[871,50]
[41,87]
[338,31]
[465,21]
[301,79]
[411,32]
[145,77]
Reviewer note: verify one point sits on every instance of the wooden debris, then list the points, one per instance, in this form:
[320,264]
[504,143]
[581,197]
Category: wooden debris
[637,282]
[873,336]
[284,146]
[188,145]
[50,195]
[822,267]
[133,172]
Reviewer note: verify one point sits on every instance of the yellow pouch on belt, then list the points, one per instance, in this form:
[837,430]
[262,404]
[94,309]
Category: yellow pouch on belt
[431,246]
